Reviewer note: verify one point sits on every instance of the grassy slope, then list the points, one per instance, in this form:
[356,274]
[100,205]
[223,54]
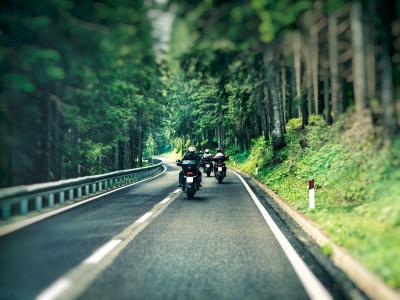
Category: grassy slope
[357,180]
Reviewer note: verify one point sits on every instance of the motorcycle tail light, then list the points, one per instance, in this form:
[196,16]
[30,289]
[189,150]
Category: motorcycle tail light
[189,173]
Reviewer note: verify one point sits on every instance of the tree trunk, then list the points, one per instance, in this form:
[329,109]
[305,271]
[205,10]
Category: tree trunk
[275,113]
[297,65]
[359,61]
[336,101]
[266,106]
[284,92]
[387,9]
[140,146]
[370,34]
[314,65]
[308,80]
[327,105]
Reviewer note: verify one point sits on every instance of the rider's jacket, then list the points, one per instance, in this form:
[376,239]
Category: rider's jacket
[207,156]
[219,156]
[192,156]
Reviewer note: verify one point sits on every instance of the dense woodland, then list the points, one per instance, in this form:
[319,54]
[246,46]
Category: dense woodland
[247,67]
[82,91]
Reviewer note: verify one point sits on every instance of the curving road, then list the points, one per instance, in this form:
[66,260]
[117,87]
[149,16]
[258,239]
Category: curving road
[128,245]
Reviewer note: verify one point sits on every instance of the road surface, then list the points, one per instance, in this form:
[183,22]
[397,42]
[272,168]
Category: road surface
[216,246]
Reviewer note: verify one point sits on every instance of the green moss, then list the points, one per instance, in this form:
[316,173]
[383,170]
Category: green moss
[326,249]
[357,183]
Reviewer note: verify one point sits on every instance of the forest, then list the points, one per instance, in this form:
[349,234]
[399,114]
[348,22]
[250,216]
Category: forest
[302,89]
[81,91]
[248,67]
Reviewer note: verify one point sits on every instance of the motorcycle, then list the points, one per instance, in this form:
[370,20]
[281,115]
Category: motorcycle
[207,166]
[191,183]
[219,170]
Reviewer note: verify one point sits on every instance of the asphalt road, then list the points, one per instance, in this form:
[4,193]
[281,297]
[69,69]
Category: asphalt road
[216,246]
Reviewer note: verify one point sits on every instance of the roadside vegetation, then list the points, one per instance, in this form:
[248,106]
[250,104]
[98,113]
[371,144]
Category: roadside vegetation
[303,88]
[357,177]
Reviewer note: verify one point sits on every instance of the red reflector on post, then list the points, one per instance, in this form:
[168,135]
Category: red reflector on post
[311,184]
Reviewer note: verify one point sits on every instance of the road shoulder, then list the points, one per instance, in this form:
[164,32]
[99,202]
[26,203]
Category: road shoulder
[308,239]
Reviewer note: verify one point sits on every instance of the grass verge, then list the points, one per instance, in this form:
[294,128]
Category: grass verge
[357,182]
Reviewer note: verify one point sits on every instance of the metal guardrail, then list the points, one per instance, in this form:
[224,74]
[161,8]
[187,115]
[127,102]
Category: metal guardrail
[21,200]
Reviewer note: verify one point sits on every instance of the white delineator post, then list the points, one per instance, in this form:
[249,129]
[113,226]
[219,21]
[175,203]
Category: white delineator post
[311,194]
[256,169]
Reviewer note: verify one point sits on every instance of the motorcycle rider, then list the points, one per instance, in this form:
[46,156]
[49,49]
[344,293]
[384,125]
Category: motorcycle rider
[220,156]
[207,156]
[190,155]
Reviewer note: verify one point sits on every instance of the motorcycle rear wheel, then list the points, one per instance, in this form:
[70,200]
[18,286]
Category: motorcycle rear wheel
[190,193]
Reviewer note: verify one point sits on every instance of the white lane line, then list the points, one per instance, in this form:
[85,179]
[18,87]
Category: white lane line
[99,254]
[165,200]
[312,285]
[6,229]
[55,290]
[72,284]
[144,217]
[177,191]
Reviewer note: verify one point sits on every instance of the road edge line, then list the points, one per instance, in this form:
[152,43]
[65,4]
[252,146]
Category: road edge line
[368,282]
[314,288]
[10,228]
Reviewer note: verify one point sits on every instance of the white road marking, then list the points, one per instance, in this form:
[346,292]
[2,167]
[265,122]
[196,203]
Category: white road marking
[177,191]
[312,285]
[144,217]
[165,200]
[73,283]
[55,290]
[6,229]
[99,254]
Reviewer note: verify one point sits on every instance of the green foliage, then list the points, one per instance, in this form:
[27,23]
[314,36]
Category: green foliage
[277,16]
[357,201]
[79,88]
[327,250]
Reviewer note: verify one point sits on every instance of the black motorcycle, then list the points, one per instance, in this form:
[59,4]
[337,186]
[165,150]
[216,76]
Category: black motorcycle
[207,165]
[219,170]
[191,183]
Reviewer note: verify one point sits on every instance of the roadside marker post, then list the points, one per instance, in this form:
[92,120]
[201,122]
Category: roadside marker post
[256,169]
[311,194]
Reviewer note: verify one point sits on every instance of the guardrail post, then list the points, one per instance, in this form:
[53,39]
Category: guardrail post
[100,185]
[94,188]
[51,200]
[71,194]
[5,211]
[79,192]
[61,197]
[86,190]
[23,207]
[106,184]
[38,203]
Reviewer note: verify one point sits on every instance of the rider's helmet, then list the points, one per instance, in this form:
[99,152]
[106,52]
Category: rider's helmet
[192,149]
[207,151]
[219,150]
